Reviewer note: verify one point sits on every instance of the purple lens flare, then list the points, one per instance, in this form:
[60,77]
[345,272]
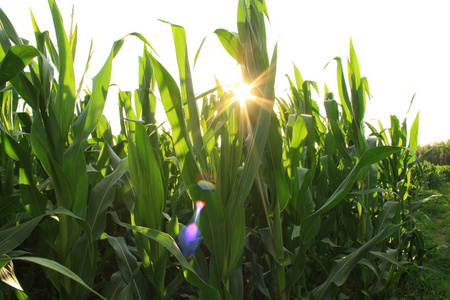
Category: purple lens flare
[191,233]
[189,237]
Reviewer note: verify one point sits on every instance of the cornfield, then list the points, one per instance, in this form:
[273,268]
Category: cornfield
[246,195]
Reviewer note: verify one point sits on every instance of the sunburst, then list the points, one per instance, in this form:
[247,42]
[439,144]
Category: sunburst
[242,92]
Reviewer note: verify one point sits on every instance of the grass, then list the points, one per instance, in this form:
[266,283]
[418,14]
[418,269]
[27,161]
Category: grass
[435,227]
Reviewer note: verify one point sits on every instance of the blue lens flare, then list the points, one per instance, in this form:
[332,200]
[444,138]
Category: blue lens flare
[189,237]
[191,233]
[188,240]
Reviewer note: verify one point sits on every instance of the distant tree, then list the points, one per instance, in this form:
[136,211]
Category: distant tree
[440,155]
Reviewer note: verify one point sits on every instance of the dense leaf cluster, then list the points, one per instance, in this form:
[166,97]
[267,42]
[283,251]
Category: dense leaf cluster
[296,203]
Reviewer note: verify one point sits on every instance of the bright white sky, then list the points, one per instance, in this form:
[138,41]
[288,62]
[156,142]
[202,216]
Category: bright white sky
[402,46]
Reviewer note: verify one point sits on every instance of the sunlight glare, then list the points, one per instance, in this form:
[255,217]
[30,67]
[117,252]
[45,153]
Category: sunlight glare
[242,92]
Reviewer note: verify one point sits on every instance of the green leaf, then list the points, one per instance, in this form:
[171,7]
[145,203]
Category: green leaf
[15,60]
[128,265]
[33,200]
[114,287]
[231,44]
[12,237]
[198,51]
[388,212]
[146,178]
[101,197]
[139,36]
[369,265]
[386,257]
[89,118]
[81,222]
[187,95]
[171,99]
[343,95]
[213,218]
[74,159]
[333,121]
[169,243]
[45,69]
[53,265]
[65,98]
[357,89]
[414,134]
[7,26]
[310,225]
[10,205]
[298,141]
[345,265]
[26,89]
[250,170]
[257,144]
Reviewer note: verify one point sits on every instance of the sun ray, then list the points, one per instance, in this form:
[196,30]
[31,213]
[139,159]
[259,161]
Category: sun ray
[242,92]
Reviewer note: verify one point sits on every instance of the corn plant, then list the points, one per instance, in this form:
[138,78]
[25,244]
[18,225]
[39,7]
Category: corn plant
[252,196]
[223,219]
[51,147]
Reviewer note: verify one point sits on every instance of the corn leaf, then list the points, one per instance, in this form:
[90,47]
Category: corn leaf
[231,44]
[169,243]
[12,237]
[89,118]
[388,212]
[6,25]
[34,201]
[115,286]
[213,218]
[15,60]
[102,196]
[310,224]
[128,265]
[65,98]
[53,265]
[187,95]
[146,179]
[345,265]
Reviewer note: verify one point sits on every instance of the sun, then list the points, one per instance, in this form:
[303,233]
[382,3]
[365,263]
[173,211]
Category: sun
[242,92]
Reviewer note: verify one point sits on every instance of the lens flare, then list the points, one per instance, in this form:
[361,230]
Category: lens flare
[191,233]
[198,208]
[242,92]
[206,185]
[189,236]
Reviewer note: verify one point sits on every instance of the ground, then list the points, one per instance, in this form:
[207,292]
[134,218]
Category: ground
[432,282]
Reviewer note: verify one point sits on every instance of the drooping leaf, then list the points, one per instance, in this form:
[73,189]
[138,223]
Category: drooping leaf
[169,243]
[345,265]
[53,265]
[102,196]
[128,265]
[12,237]
[310,225]
[231,44]
[15,60]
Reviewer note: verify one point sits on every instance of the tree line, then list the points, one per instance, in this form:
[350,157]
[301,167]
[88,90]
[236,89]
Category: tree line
[440,155]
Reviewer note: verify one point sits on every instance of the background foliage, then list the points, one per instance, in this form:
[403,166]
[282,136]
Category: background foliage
[440,155]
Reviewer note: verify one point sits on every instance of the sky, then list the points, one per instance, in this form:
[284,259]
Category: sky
[402,46]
